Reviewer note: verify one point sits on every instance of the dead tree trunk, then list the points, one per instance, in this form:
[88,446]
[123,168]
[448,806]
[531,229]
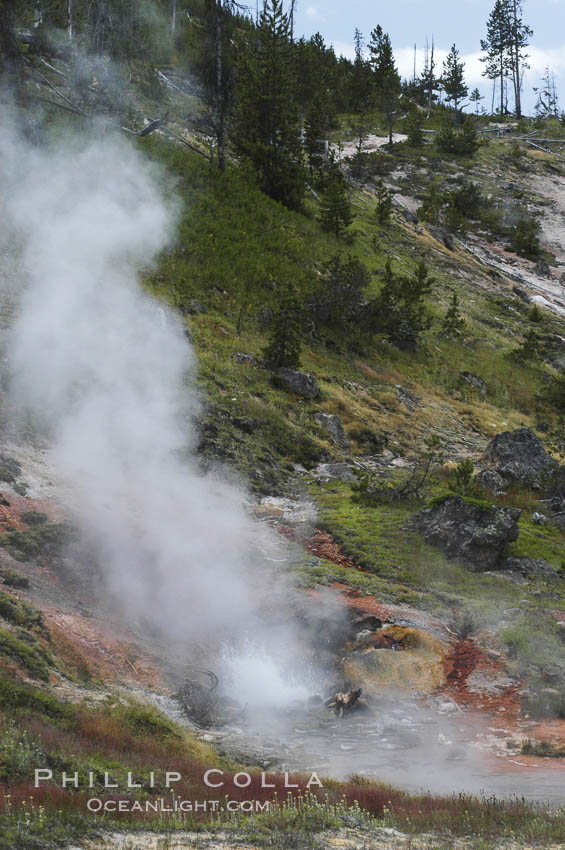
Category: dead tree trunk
[220,111]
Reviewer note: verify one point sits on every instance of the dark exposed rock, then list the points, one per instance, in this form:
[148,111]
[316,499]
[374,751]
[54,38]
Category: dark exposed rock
[408,399]
[530,567]
[519,456]
[489,479]
[408,215]
[474,381]
[301,383]
[476,533]
[442,236]
[541,268]
[193,307]
[521,294]
[330,423]
[245,359]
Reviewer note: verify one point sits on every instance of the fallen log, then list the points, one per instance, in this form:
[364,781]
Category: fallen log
[344,701]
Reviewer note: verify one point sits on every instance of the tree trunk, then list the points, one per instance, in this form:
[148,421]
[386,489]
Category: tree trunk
[220,112]
[516,62]
[70,19]
[174,17]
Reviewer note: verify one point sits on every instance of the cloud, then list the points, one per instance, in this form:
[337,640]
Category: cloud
[313,13]
[539,59]
[344,48]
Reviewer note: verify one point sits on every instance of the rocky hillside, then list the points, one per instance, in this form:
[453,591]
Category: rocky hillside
[422,484]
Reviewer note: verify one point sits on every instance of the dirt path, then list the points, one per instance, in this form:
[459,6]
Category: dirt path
[345,839]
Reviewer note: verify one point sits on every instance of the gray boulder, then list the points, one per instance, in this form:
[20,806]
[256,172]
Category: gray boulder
[489,479]
[519,457]
[469,531]
[301,383]
[330,423]
[341,471]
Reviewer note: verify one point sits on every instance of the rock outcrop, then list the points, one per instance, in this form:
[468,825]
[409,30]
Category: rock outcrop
[301,383]
[530,567]
[520,458]
[469,531]
[330,423]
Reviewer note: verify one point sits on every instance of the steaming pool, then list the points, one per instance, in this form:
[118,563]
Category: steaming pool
[415,746]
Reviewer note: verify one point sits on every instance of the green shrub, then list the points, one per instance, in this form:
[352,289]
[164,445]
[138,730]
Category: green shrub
[340,296]
[453,323]
[27,652]
[20,613]
[34,518]
[462,479]
[285,342]
[535,314]
[42,540]
[146,720]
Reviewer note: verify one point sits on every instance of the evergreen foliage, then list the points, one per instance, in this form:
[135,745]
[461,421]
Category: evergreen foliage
[530,347]
[453,79]
[464,142]
[386,79]
[413,125]
[336,213]
[400,311]
[525,237]
[267,131]
[383,208]
[340,300]
[453,323]
[285,343]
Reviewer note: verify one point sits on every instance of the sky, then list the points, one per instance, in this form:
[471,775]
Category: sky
[408,22]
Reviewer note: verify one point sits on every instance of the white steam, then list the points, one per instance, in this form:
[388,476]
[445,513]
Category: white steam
[106,367]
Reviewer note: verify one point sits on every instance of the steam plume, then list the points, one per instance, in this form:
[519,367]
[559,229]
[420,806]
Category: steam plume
[105,365]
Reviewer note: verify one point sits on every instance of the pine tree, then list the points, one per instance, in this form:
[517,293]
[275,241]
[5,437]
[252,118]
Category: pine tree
[453,322]
[520,33]
[361,90]
[383,208]
[385,76]
[497,46]
[267,132]
[476,97]
[414,123]
[336,213]
[400,310]
[286,335]
[530,347]
[454,78]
